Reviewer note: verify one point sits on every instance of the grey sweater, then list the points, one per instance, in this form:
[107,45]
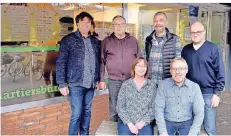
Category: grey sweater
[134,105]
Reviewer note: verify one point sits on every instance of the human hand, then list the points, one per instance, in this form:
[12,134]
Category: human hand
[102,85]
[64,91]
[215,100]
[132,128]
[140,124]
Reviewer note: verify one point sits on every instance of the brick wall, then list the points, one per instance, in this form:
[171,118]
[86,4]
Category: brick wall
[50,119]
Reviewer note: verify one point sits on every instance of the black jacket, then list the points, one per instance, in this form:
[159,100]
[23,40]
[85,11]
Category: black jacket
[169,51]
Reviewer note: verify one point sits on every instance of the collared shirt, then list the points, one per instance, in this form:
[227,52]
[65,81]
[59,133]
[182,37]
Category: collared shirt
[89,64]
[134,104]
[179,103]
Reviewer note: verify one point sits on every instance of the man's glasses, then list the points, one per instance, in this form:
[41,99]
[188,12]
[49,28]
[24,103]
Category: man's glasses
[178,69]
[196,33]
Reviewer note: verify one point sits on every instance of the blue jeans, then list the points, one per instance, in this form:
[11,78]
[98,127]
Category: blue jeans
[181,127]
[210,115]
[80,101]
[124,130]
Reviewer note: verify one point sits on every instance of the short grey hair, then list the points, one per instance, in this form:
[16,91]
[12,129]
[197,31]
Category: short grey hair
[160,12]
[178,59]
[118,16]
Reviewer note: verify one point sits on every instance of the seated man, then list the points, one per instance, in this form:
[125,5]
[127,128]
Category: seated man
[179,105]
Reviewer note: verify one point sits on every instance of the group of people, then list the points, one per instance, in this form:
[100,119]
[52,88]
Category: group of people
[176,89]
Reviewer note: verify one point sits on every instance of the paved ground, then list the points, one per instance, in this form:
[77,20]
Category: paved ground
[224,115]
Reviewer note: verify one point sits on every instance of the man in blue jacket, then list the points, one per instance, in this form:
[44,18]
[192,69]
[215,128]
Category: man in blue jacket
[77,72]
[207,69]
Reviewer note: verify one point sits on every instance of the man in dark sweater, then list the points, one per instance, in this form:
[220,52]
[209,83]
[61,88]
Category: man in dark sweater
[207,69]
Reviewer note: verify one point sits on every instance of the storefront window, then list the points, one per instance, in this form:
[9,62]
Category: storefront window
[142,16]
[30,38]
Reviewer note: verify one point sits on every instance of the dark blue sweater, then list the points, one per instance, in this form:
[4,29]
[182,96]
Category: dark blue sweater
[205,67]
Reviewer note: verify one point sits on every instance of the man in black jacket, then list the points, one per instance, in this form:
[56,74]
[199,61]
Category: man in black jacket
[161,47]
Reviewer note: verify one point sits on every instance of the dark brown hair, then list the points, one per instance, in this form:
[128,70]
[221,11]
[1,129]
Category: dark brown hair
[82,15]
[137,60]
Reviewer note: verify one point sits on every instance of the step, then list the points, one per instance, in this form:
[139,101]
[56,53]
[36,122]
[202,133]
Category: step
[110,128]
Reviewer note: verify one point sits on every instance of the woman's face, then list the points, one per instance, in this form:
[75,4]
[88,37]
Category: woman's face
[140,69]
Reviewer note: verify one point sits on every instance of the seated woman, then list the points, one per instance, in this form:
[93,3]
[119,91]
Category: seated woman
[136,100]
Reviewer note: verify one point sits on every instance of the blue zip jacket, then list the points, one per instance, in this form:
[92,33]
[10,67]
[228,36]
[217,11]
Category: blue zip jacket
[69,62]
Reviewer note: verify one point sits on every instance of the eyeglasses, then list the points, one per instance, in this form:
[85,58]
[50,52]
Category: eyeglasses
[119,24]
[196,33]
[141,66]
[178,69]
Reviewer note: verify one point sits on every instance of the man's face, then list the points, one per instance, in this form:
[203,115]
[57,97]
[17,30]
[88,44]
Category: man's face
[197,33]
[84,25]
[160,23]
[119,26]
[178,71]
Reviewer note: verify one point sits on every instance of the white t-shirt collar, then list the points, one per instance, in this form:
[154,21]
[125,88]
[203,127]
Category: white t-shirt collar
[196,47]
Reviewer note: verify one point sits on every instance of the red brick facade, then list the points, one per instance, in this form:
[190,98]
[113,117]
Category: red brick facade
[50,119]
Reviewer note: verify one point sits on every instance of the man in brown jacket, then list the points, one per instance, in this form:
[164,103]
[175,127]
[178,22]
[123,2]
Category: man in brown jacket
[117,53]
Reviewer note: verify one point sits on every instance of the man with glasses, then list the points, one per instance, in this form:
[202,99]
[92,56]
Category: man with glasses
[117,54]
[77,72]
[179,105]
[207,69]
[160,47]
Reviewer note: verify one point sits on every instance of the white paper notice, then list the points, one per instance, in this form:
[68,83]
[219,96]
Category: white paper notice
[18,17]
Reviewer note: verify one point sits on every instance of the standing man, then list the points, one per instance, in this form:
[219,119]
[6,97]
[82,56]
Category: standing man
[77,69]
[160,47]
[179,105]
[117,54]
[207,69]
